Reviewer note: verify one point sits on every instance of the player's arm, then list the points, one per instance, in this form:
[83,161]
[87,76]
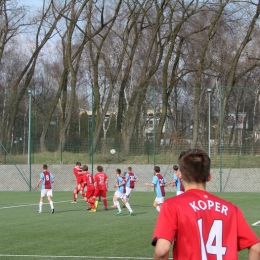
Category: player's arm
[106,182]
[162,248]
[149,184]
[118,185]
[254,252]
[39,182]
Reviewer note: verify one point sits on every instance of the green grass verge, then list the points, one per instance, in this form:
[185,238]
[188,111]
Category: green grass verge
[227,161]
[73,231]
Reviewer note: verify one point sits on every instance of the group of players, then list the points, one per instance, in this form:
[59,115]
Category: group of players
[197,223]
[97,186]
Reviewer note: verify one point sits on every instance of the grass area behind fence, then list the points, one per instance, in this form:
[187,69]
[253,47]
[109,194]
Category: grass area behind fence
[74,233]
[225,160]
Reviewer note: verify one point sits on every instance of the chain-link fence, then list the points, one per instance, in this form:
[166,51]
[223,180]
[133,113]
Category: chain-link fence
[232,169]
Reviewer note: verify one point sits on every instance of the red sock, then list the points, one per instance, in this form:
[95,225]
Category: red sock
[75,194]
[105,203]
[91,203]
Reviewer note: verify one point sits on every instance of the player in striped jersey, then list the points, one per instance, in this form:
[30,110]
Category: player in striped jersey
[159,182]
[46,178]
[120,193]
[199,224]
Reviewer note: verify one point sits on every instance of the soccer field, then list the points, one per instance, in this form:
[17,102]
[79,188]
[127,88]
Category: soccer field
[74,233]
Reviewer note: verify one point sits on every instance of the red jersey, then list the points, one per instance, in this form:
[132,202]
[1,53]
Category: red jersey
[203,226]
[88,179]
[78,174]
[101,178]
[77,171]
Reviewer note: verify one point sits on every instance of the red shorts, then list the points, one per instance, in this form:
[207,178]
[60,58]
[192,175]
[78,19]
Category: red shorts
[100,193]
[89,193]
[79,179]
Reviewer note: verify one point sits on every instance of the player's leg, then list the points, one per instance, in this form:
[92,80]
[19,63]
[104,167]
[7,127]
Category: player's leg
[127,205]
[40,205]
[86,198]
[127,193]
[103,195]
[43,193]
[75,194]
[81,189]
[49,196]
[93,200]
[156,204]
[89,198]
[115,199]
[114,204]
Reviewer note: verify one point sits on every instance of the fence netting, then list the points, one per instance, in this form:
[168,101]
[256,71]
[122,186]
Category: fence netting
[233,170]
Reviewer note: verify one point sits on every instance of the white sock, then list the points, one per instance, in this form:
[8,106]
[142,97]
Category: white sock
[158,208]
[51,204]
[40,206]
[118,205]
[128,207]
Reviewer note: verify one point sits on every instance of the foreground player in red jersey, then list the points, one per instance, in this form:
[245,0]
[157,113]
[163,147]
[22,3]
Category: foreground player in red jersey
[101,186]
[200,224]
[79,179]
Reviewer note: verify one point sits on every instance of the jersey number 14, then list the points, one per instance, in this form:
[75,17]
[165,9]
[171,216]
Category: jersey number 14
[214,244]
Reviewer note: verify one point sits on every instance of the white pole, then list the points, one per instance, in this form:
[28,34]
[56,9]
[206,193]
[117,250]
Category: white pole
[209,92]
[29,137]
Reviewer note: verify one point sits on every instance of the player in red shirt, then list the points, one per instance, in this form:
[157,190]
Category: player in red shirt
[200,224]
[89,183]
[79,179]
[101,186]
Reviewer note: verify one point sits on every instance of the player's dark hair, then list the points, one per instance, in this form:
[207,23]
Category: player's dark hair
[78,163]
[99,168]
[85,168]
[175,167]
[129,168]
[118,171]
[45,167]
[194,165]
[157,169]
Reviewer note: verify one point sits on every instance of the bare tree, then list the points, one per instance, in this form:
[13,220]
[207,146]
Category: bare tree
[234,71]
[25,75]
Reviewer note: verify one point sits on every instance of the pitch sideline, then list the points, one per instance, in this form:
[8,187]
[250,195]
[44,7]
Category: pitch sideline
[257,223]
[29,205]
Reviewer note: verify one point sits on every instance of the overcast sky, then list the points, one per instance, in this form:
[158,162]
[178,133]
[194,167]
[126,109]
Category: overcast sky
[33,3]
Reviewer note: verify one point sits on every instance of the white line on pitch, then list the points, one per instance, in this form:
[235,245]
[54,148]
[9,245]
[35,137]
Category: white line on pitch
[256,223]
[85,257]
[28,205]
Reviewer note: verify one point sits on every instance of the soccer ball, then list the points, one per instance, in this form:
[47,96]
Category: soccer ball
[112,151]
